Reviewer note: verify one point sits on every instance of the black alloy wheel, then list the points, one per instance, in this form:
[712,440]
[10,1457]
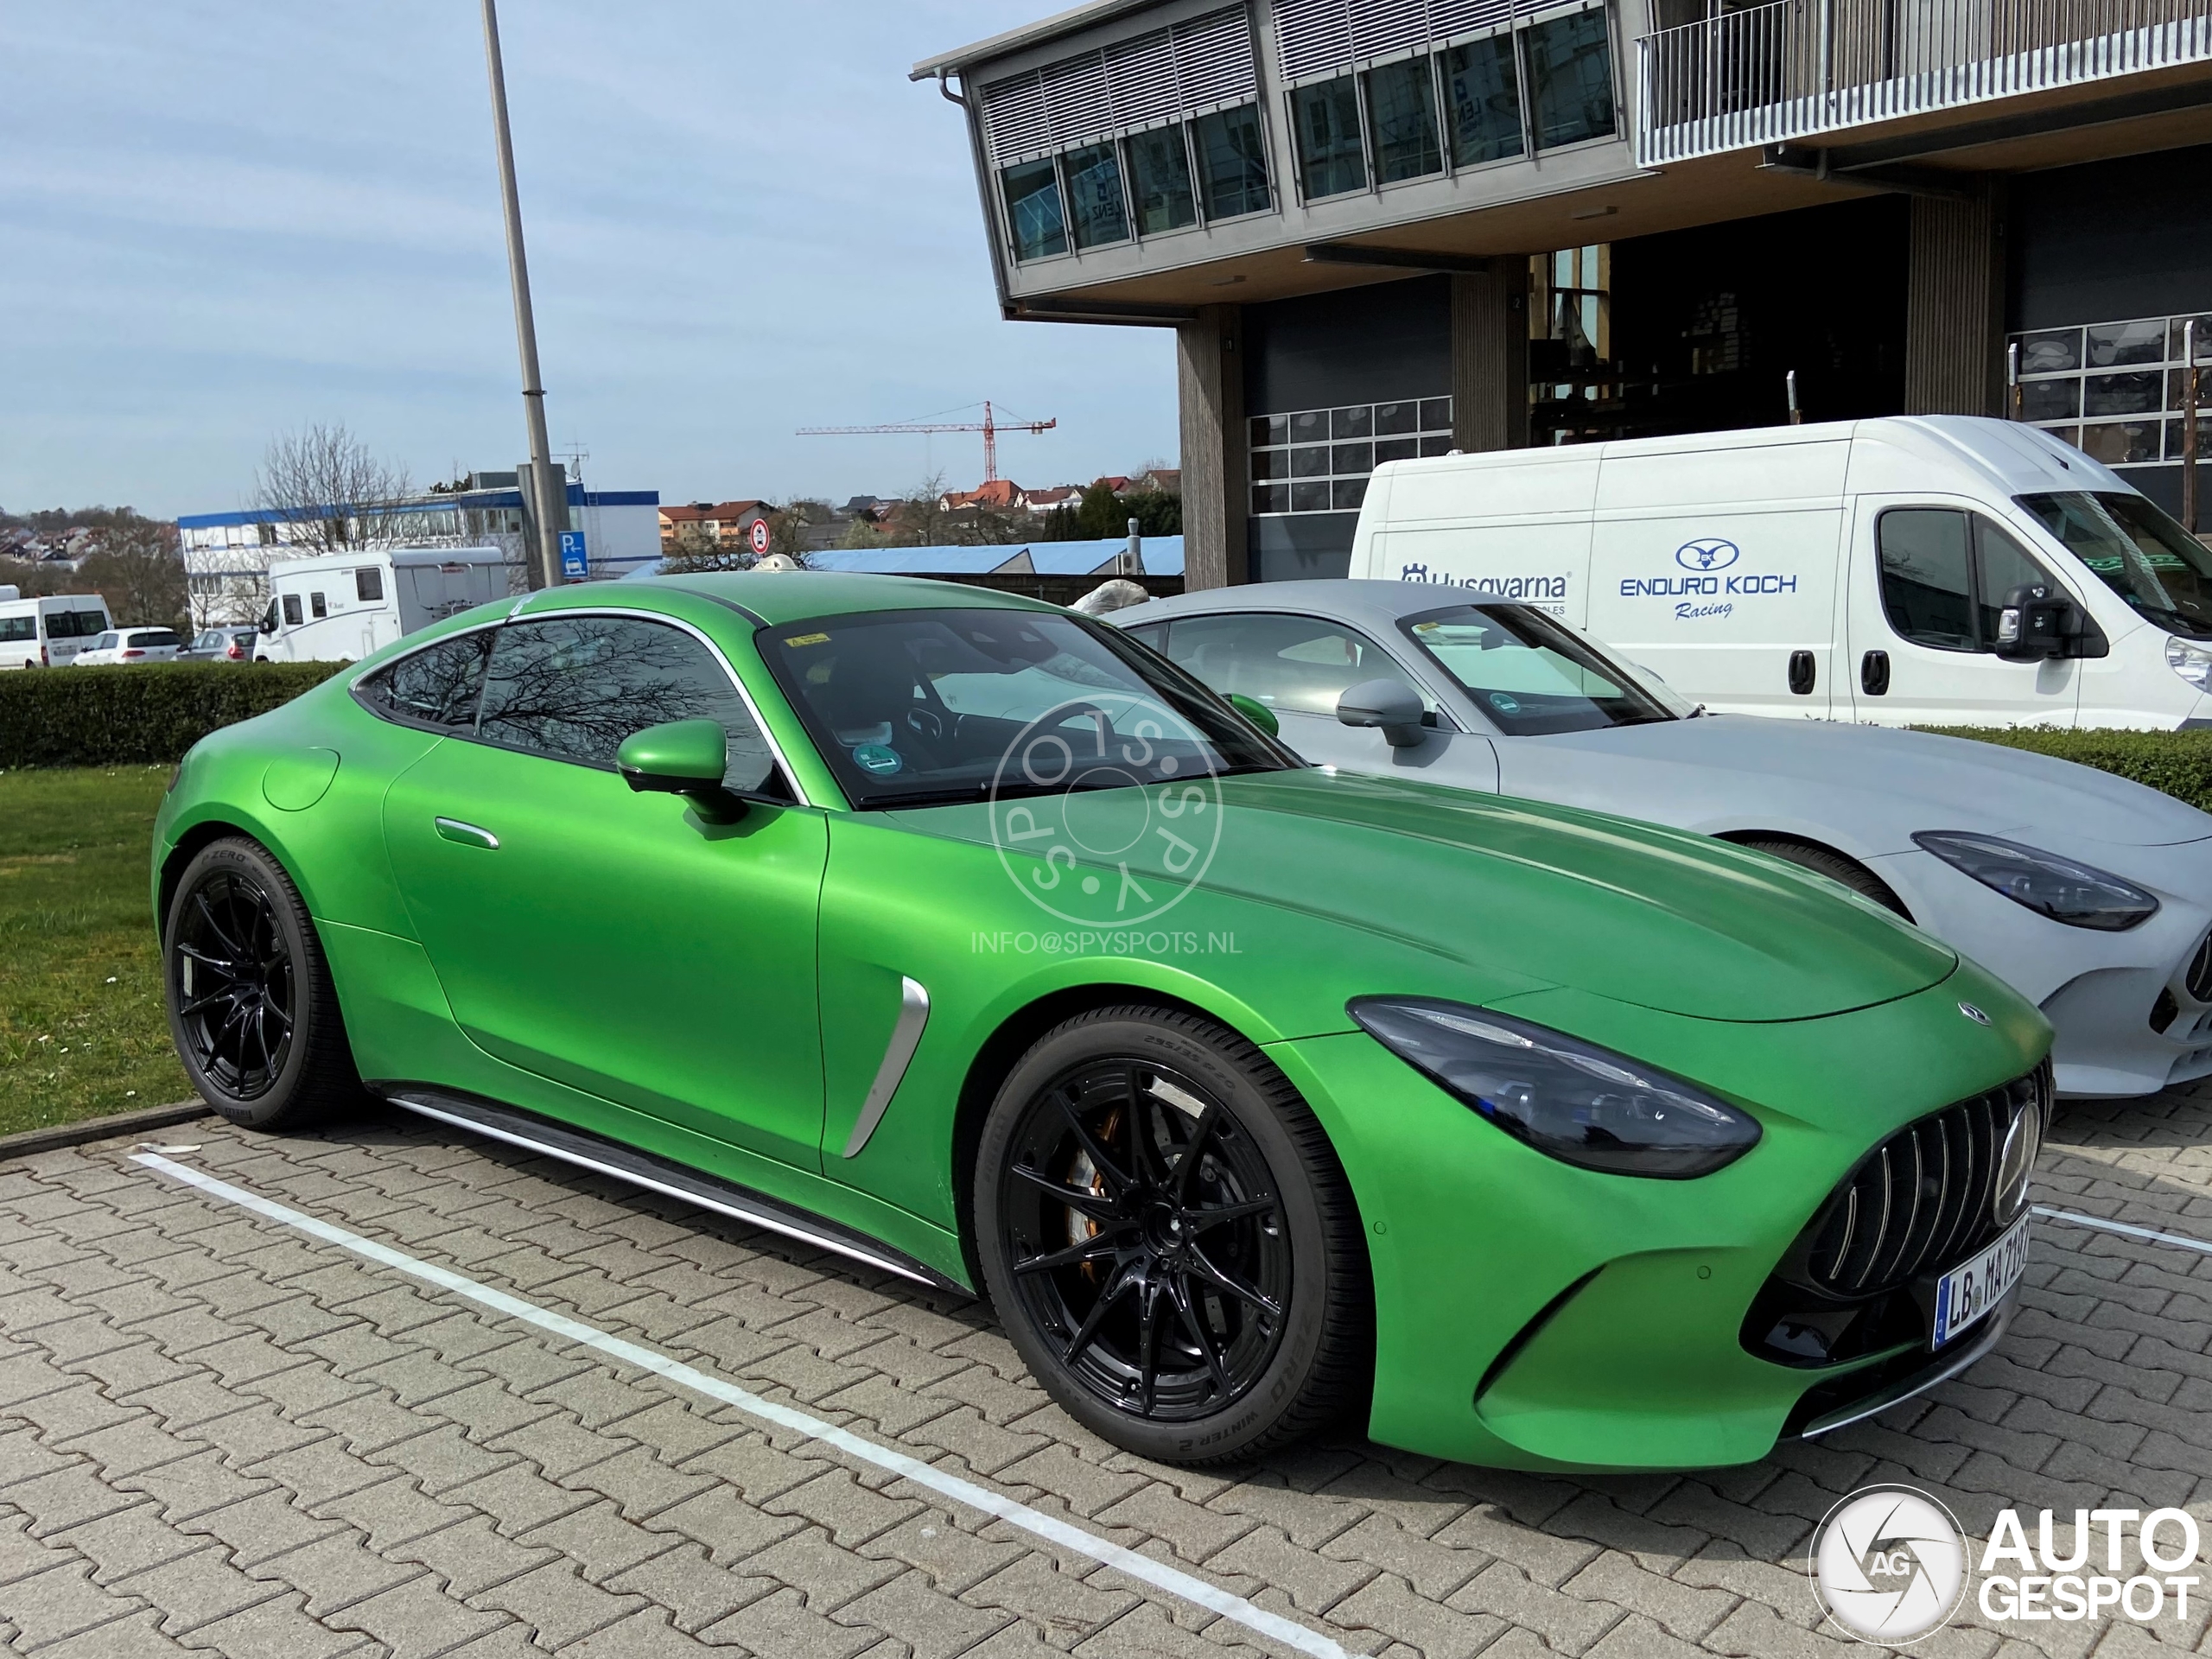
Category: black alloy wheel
[251,1008]
[236,984]
[1166,1235]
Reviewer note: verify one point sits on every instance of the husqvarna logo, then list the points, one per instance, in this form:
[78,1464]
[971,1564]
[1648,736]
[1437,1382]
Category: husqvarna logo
[1709,553]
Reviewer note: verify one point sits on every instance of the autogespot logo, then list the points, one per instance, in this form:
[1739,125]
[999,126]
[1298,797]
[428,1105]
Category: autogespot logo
[1106,817]
[1889,1564]
[1707,553]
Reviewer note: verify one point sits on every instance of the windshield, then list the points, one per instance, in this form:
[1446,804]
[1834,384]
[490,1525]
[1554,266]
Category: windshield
[1529,673]
[2136,550]
[915,708]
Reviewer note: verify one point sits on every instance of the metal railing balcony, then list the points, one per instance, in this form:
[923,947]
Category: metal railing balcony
[1774,73]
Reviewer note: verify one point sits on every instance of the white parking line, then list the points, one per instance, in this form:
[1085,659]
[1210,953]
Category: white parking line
[2178,1241]
[1195,1590]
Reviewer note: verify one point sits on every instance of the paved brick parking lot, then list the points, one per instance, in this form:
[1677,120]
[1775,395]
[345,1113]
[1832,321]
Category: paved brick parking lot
[221,1433]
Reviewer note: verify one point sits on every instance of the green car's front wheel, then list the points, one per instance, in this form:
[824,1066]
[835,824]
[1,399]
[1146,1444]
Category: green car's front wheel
[1168,1235]
[251,1008]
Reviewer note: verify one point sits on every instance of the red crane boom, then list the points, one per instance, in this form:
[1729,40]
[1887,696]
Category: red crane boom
[988,426]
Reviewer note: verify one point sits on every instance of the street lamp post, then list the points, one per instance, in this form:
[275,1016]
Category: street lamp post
[548,493]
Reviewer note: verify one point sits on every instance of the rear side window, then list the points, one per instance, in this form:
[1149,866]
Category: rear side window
[573,688]
[14,630]
[74,625]
[437,687]
[320,609]
[1945,574]
[368,585]
[292,614]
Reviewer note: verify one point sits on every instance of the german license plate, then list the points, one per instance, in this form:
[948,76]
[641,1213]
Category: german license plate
[1970,1290]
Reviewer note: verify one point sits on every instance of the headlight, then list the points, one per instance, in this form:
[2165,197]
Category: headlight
[1568,1099]
[2080,895]
[2192,663]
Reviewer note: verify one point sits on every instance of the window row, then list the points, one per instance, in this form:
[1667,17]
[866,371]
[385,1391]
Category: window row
[1534,87]
[1144,184]
[1318,460]
[2121,381]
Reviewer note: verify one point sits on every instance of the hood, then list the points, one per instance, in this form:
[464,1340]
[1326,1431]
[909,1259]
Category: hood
[1656,918]
[1924,781]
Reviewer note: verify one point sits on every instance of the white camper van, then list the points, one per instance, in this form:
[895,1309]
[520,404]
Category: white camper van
[341,607]
[48,632]
[1937,570]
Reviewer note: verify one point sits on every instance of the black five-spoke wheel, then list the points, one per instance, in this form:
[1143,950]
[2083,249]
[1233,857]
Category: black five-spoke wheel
[251,1008]
[236,984]
[1148,1238]
[1167,1236]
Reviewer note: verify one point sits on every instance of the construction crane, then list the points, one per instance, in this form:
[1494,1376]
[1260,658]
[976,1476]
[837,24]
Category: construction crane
[988,426]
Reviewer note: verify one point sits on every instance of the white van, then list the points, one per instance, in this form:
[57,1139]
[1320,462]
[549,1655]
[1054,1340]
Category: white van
[48,632]
[341,607]
[1938,570]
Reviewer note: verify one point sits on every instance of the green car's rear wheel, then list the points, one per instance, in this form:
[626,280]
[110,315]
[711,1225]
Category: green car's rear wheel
[1169,1239]
[251,1004]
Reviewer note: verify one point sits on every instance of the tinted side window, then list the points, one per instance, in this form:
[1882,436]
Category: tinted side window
[573,688]
[368,585]
[1285,662]
[320,609]
[14,629]
[1151,633]
[2000,565]
[1927,586]
[292,610]
[437,687]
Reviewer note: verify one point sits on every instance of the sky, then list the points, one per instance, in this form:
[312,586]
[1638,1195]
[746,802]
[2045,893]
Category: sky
[223,219]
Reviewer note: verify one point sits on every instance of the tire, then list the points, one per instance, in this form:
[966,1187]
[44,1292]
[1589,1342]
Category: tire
[251,1008]
[1824,861]
[1259,1328]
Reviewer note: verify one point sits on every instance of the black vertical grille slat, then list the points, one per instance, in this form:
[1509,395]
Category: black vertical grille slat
[1921,1198]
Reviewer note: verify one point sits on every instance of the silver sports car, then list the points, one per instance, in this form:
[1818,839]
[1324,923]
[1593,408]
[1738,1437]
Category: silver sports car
[2091,894]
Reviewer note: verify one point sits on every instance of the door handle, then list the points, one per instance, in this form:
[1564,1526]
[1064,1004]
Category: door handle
[1803,672]
[466,834]
[1874,673]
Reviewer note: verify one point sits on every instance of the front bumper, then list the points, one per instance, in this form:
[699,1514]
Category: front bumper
[1529,1314]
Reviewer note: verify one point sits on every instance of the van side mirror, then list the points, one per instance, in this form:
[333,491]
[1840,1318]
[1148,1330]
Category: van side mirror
[1257,712]
[2035,623]
[1391,705]
[686,758]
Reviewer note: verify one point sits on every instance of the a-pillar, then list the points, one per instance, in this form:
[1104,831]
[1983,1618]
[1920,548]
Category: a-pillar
[1954,303]
[1209,392]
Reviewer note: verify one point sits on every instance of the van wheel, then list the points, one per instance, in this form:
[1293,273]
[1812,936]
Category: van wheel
[251,1008]
[1826,860]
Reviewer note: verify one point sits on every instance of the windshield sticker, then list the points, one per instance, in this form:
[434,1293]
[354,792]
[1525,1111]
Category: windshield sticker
[1505,702]
[808,639]
[878,758]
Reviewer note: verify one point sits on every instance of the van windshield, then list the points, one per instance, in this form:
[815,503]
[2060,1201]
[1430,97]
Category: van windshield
[2136,550]
[1530,674]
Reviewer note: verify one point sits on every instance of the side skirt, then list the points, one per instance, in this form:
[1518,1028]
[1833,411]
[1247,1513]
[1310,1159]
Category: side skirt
[656,1174]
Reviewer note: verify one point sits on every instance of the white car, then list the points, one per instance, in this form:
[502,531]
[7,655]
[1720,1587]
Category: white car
[130,646]
[2090,895]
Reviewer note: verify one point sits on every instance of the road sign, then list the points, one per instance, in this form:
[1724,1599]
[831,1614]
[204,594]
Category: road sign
[758,537]
[575,563]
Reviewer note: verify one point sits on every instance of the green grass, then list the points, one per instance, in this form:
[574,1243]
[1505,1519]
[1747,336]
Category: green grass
[82,1031]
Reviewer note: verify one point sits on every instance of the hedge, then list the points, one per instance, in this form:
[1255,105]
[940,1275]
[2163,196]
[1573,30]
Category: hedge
[2179,763]
[139,715]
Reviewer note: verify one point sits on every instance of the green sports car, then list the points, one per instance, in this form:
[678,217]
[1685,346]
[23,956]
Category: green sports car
[967,938]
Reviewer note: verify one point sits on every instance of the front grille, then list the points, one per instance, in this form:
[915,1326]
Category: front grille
[2199,977]
[1919,1203]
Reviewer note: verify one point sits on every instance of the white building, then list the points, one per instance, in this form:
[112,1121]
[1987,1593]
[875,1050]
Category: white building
[227,555]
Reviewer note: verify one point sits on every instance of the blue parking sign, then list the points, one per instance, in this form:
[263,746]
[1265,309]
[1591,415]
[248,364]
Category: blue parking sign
[576,563]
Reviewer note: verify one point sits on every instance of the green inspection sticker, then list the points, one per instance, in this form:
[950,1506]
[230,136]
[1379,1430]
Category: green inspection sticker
[879,758]
[1505,704]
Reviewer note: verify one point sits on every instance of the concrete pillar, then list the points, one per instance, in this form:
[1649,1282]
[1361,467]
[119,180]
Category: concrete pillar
[1954,306]
[1217,495]
[1489,356]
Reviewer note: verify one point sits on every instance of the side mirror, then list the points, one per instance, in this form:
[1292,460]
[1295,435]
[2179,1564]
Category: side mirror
[1392,705]
[1257,712]
[2035,623]
[686,758]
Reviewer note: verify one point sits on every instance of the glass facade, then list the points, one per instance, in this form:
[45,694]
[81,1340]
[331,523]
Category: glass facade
[1033,210]
[1318,460]
[1159,181]
[1482,91]
[1571,77]
[1232,161]
[2114,389]
[1402,110]
[1095,208]
[1330,162]
[1141,185]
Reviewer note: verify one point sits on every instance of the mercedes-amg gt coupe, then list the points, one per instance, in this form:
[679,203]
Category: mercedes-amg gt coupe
[969,939]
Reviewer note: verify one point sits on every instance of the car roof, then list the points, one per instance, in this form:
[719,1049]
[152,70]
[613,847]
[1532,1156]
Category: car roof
[779,596]
[1373,604]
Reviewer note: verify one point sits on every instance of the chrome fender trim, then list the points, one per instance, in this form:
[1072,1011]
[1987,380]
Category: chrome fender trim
[898,1055]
